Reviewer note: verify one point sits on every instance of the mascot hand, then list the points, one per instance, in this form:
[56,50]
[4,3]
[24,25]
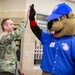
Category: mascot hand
[32,13]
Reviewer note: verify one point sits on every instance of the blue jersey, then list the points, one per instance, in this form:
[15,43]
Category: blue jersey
[58,54]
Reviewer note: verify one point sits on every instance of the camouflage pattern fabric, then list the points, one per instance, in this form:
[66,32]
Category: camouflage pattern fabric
[6,73]
[8,58]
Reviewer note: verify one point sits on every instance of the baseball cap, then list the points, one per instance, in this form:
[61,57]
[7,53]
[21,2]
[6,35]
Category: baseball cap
[59,10]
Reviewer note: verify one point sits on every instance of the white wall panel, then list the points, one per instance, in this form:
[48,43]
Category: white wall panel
[12,4]
[41,6]
[46,6]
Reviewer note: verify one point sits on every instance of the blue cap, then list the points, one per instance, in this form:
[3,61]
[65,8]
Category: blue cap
[60,10]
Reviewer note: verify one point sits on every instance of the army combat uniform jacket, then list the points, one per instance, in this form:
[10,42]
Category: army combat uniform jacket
[8,59]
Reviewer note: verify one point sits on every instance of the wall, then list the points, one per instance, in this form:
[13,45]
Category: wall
[46,7]
[12,4]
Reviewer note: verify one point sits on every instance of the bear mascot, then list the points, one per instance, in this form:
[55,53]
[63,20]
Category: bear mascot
[58,47]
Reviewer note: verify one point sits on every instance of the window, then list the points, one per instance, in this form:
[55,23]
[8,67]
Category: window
[41,17]
[38,52]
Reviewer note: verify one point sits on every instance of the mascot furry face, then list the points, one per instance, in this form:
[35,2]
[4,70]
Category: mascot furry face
[61,21]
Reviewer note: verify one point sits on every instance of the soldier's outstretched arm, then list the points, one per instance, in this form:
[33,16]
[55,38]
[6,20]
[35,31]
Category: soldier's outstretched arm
[8,37]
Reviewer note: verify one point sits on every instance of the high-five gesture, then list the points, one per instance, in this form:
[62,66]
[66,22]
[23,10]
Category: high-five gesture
[31,13]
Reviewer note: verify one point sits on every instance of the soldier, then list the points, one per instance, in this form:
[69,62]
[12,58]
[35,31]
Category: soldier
[8,60]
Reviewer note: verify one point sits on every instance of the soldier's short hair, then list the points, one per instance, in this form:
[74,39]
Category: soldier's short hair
[2,23]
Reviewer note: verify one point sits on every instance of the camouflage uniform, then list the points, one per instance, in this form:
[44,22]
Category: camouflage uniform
[8,59]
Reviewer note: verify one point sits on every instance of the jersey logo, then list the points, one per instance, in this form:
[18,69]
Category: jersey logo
[65,46]
[52,44]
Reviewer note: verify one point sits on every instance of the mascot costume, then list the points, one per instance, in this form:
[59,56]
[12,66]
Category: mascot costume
[58,48]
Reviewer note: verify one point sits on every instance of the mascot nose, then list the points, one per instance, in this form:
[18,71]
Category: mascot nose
[49,25]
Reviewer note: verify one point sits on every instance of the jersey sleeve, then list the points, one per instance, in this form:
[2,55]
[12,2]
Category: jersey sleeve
[45,36]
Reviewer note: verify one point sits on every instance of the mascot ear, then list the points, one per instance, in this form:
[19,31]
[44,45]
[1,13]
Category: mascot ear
[70,15]
[63,17]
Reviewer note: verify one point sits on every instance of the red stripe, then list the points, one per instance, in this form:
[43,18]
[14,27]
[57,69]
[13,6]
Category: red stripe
[33,23]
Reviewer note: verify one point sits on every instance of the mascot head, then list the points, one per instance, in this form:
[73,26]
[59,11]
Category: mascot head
[61,21]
